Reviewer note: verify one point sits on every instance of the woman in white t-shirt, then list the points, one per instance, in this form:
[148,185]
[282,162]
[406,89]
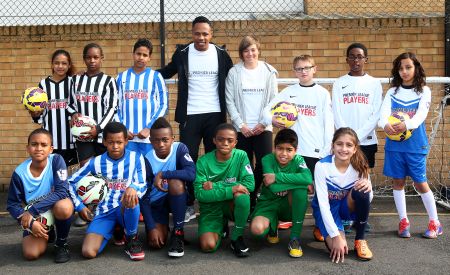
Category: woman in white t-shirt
[250,86]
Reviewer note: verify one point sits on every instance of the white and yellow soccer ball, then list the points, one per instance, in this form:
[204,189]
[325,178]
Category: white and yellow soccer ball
[92,189]
[34,99]
[285,112]
[397,117]
[81,125]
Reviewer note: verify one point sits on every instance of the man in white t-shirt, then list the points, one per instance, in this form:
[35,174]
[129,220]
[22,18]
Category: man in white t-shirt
[202,68]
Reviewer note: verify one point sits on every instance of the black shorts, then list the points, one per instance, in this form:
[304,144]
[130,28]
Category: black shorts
[311,164]
[369,151]
[69,155]
[87,150]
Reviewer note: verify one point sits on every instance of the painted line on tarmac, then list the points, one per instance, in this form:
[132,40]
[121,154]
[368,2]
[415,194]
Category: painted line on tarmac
[381,214]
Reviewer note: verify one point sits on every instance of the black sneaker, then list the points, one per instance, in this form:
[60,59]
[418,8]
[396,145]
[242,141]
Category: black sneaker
[51,234]
[134,248]
[119,236]
[225,231]
[176,245]
[239,247]
[62,253]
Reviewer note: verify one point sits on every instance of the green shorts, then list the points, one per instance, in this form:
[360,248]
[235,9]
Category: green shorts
[213,216]
[274,210]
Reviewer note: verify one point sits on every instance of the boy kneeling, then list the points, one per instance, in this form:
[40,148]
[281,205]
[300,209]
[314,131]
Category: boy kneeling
[124,171]
[40,182]
[224,180]
[284,195]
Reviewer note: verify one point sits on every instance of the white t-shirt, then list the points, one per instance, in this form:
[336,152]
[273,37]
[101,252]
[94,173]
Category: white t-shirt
[356,104]
[203,81]
[252,93]
[315,124]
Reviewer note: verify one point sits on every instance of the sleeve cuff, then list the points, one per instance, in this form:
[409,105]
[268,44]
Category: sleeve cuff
[33,211]
[80,207]
[334,234]
[99,129]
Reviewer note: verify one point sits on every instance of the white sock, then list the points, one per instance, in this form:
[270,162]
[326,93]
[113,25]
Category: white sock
[430,205]
[400,203]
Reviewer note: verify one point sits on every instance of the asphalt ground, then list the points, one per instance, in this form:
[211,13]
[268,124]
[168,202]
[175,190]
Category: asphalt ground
[392,255]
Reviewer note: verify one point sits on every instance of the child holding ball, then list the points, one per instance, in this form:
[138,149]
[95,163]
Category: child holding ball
[315,124]
[124,172]
[93,94]
[40,183]
[55,117]
[408,94]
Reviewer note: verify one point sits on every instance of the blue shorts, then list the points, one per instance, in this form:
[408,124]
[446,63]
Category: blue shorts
[139,147]
[155,212]
[339,211]
[103,224]
[160,210]
[398,165]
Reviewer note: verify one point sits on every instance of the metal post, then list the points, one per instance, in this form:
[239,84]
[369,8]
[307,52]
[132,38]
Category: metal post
[162,33]
[447,45]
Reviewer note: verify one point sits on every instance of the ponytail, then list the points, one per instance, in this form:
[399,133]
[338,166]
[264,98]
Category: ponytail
[359,163]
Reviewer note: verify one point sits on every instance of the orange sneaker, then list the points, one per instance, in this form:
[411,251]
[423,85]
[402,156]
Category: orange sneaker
[362,250]
[284,225]
[317,235]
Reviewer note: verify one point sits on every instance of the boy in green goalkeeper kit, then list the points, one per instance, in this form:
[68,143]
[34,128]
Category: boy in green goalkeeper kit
[284,194]
[224,180]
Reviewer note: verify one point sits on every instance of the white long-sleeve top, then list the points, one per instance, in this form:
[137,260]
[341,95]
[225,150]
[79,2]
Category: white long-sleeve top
[314,125]
[331,187]
[356,104]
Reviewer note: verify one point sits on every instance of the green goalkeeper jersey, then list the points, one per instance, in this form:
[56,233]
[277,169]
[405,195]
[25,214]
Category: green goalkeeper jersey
[292,176]
[223,175]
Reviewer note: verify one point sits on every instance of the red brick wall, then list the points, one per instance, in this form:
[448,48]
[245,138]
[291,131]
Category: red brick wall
[25,57]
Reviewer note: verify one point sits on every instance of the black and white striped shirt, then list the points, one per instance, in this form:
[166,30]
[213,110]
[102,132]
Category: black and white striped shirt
[55,117]
[94,96]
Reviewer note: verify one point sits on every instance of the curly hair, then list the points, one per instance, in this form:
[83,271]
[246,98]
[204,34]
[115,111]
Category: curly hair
[419,73]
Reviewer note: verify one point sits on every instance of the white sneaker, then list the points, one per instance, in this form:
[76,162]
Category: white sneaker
[79,222]
[190,214]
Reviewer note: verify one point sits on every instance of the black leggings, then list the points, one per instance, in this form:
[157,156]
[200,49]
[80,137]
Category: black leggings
[256,147]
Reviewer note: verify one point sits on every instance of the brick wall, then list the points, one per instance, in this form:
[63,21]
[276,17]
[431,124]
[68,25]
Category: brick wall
[25,58]
[368,7]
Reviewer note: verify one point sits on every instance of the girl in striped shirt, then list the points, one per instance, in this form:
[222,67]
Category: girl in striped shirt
[93,94]
[55,117]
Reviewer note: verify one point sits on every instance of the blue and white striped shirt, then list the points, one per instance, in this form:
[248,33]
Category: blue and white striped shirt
[143,98]
[128,171]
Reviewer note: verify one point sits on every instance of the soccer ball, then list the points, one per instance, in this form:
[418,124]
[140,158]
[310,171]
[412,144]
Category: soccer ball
[285,112]
[34,99]
[45,218]
[396,118]
[80,125]
[92,190]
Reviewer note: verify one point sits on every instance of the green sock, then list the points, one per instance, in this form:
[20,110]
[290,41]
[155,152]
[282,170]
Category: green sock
[241,212]
[299,205]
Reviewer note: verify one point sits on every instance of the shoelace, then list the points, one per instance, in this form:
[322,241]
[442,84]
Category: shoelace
[363,246]
[432,226]
[403,225]
[295,244]
[136,246]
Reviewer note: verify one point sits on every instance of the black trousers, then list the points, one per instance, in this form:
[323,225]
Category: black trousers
[256,147]
[192,132]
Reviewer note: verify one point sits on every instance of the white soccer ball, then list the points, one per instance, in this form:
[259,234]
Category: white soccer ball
[45,218]
[92,190]
[81,125]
